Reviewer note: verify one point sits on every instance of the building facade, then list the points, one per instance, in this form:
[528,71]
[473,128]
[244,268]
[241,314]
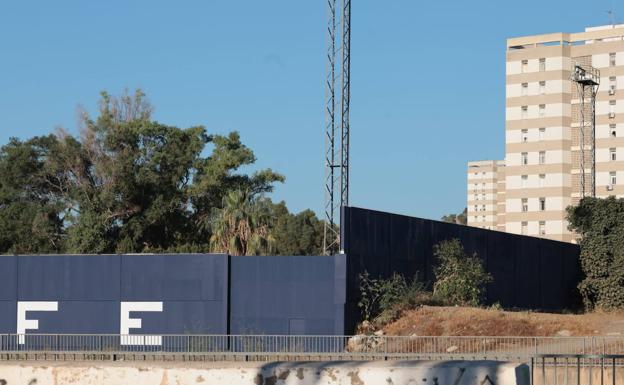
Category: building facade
[542,173]
[484,191]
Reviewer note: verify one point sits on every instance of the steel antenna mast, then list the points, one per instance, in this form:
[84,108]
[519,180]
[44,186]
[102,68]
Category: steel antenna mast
[587,80]
[337,124]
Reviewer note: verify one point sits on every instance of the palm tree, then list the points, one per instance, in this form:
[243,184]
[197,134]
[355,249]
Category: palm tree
[241,227]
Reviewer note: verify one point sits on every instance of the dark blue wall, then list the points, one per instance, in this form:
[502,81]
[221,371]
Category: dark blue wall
[528,272]
[267,295]
[8,293]
[287,295]
[89,289]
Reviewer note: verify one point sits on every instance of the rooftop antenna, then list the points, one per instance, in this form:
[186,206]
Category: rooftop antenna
[587,80]
[611,13]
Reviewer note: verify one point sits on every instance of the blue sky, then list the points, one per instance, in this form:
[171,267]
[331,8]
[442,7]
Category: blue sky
[258,67]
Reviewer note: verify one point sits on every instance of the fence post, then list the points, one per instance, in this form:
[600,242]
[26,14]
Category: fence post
[535,343]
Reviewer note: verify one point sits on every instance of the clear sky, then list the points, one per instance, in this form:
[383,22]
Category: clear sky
[427,81]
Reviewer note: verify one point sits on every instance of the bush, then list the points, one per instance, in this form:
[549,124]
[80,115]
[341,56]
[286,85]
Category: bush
[383,300]
[600,222]
[460,278]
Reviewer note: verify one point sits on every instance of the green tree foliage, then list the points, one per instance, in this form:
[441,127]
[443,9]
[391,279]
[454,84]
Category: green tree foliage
[296,234]
[131,184]
[600,222]
[241,226]
[382,300]
[460,278]
[460,219]
[30,209]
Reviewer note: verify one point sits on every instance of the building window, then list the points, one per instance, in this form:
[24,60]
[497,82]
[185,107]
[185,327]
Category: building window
[612,85]
[525,135]
[542,157]
[482,207]
[525,89]
[524,158]
[542,87]
[542,180]
[524,112]
[525,205]
[525,66]
[612,154]
[612,178]
[476,208]
[524,179]
[612,128]
[612,59]
[542,204]
[542,110]
[542,132]
[524,228]
[542,64]
[483,186]
[612,108]
[542,228]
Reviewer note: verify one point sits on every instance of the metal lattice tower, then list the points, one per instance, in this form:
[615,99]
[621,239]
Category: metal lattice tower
[337,125]
[587,81]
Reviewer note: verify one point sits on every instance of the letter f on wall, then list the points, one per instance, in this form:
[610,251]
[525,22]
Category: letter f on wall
[24,324]
[126,323]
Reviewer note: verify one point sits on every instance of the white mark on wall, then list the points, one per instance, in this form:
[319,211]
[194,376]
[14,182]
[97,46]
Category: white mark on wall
[126,323]
[24,324]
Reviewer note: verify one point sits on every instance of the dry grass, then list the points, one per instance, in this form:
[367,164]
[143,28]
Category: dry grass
[464,321]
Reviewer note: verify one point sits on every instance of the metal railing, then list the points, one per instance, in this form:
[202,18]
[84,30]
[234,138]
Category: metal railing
[337,347]
[577,369]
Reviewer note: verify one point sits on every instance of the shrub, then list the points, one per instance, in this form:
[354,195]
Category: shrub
[600,222]
[460,278]
[382,300]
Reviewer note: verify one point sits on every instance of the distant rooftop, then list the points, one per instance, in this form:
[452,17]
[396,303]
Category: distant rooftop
[589,36]
[482,163]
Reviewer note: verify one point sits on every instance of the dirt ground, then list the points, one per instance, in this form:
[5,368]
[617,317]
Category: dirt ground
[464,321]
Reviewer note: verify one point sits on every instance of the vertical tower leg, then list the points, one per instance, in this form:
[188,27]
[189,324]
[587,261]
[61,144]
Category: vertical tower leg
[337,145]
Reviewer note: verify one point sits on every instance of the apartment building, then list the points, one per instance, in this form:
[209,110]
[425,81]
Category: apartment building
[543,151]
[483,193]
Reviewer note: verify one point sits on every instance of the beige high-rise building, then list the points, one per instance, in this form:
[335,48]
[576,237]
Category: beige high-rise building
[483,193]
[541,177]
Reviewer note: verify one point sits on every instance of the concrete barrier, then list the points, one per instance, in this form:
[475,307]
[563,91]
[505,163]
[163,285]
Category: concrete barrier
[274,373]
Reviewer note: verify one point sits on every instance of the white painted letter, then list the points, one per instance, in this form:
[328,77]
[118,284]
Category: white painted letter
[24,324]
[126,323]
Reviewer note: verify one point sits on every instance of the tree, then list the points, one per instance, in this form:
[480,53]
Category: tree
[460,278]
[126,184]
[30,208]
[241,226]
[128,179]
[215,177]
[600,222]
[460,219]
[296,234]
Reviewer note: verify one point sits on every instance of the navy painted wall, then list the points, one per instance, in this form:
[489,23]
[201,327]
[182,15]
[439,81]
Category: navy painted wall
[528,272]
[287,295]
[89,289]
[266,294]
